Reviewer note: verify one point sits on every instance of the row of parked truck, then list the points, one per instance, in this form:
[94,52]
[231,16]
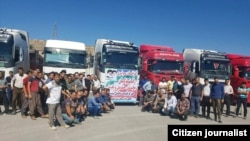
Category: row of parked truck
[120,64]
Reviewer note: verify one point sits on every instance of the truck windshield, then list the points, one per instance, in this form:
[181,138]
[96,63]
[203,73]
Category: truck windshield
[6,48]
[244,72]
[216,67]
[121,59]
[65,57]
[164,66]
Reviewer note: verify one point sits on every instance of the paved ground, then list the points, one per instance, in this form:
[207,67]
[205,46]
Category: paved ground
[123,124]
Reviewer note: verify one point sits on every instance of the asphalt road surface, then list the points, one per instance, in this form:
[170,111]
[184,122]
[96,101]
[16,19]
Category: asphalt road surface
[125,123]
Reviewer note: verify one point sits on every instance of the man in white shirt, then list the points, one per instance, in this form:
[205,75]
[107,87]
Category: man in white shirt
[227,97]
[187,88]
[163,85]
[96,84]
[54,90]
[205,103]
[17,87]
[170,104]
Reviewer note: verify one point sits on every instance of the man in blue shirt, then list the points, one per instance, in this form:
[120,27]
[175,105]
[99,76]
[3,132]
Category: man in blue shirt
[242,99]
[94,108]
[102,99]
[217,97]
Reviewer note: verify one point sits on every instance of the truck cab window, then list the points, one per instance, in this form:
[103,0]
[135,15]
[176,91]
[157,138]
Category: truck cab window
[17,54]
[197,67]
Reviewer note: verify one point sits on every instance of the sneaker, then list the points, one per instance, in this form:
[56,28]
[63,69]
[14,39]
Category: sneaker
[96,117]
[6,112]
[33,117]
[45,116]
[65,126]
[53,128]
[244,117]
[24,116]
[220,121]
[208,117]
[13,113]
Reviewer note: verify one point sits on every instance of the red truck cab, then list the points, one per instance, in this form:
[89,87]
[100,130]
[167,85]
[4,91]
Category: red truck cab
[158,62]
[240,71]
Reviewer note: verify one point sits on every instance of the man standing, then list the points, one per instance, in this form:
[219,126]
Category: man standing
[180,88]
[242,99]
[217,96]
[195,96]
[35,104]
[163,85]
[170,84]
[17,87]
[79,83]
[53,89]
[187,88]
[3,86]
[9,91]
[227,97]
[96,84]
[205,103]
[88,84]
[25,98]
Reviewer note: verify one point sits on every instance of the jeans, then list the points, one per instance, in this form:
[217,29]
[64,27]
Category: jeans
[169,111]
[239,102]
[67,119]
[78,117]
[9,92]
[147,108]
[94,110]
[195,105]
[5,101]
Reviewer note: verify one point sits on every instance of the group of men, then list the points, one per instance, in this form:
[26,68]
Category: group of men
[62,98]
[180,99]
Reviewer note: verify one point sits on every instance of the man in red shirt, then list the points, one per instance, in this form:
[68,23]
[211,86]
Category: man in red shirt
[34,86]
[25,97]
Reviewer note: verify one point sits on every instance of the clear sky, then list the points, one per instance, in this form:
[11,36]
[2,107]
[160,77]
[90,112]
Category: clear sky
[222,25]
